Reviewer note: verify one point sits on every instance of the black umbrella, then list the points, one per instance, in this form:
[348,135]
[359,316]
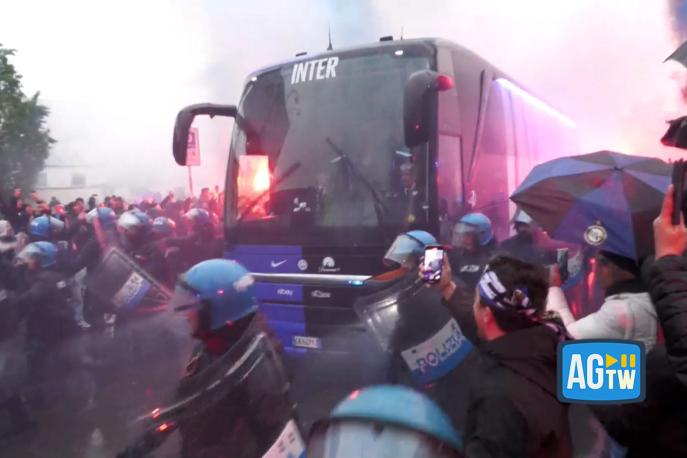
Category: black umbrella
[603,199]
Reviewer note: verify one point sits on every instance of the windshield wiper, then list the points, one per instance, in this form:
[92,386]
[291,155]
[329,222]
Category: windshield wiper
[380,208]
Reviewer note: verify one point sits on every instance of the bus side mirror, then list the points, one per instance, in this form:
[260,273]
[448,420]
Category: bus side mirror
[185,120]
[676,135]
[417,104]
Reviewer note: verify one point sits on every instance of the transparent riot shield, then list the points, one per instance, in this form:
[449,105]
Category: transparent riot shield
[425,345]
[120,281]
[237,405]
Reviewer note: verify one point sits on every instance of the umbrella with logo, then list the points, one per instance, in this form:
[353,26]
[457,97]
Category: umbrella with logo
[604,199]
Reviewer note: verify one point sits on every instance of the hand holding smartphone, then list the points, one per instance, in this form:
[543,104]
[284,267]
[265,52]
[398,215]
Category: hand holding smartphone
[433,263]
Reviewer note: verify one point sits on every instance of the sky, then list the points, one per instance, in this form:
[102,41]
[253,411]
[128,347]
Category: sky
[114,74]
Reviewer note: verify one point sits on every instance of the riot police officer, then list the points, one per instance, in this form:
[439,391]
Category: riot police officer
[233,401]
[529,243]
[426,345]
[46,228]
[136,239]
[200,244]
[46,308]
[383,421]
[102,221]
[473,243]
[163,227]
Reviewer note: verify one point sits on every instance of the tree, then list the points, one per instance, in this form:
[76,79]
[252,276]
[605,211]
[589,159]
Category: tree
[24,138]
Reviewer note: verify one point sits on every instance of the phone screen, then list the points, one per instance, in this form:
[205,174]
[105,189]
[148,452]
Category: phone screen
[432,264]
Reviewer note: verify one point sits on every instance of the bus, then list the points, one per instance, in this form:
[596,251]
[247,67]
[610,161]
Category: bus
[333,155]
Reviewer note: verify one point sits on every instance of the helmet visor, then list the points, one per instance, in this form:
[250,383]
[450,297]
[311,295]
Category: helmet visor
[184,298]
[362,439]
[404,252]
[464,235]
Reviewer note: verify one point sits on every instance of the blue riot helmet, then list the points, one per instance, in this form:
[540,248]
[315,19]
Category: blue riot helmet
[163,226]
[43,253]
[408,248]
[106,216]
[473,226]
[45,227]
[134,225]
[198,217]
[382,421]
[220,291]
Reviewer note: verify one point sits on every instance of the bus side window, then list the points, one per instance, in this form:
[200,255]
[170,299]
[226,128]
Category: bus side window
[449,150]
[490,172]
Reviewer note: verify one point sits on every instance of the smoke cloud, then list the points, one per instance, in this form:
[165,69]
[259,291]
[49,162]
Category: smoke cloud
[115,74]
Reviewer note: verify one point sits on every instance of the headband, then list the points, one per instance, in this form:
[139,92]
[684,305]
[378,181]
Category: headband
[497,296]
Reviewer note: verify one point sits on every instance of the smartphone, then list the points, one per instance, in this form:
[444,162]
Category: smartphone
[562,257]
[678,189]
[433,264]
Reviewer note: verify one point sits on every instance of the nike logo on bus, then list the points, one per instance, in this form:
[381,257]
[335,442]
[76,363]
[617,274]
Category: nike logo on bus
[277,264]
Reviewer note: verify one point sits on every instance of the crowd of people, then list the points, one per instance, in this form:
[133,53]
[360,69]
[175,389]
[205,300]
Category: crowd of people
[20,209]
[507,298]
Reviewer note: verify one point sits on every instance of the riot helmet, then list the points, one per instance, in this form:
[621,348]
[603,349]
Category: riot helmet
[133,225]
[216,293]
[523,225]
[45,227]
[474,230]
[385,420]
[163,226]
[408,248]
[38,254]
[105,215]
[198,217]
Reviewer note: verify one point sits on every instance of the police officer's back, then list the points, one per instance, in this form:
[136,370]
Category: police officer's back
[233,400]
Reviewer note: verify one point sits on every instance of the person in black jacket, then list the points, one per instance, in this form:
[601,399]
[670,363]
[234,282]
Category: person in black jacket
[657,427]
[45,306]
[668,286]
[513,410]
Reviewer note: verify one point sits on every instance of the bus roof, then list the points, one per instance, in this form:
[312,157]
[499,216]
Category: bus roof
[469,57]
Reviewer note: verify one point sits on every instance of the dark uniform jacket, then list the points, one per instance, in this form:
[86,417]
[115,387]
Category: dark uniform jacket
[513,410]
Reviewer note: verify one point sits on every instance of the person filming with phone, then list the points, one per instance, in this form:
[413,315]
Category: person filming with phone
[512,406]
[627,311]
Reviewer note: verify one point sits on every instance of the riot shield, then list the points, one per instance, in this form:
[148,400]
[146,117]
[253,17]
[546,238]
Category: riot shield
[425,346]
[121,282]
[237,405]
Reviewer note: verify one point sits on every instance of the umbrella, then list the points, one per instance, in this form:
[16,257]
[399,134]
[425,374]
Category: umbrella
[679,55]
[676,135]
[604,199]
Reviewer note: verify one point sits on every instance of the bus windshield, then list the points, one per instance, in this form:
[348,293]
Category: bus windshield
[317,155]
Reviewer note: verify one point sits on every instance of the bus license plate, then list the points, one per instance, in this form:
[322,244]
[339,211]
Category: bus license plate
[307,342]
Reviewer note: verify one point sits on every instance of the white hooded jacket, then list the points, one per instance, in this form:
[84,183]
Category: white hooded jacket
[625,315]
